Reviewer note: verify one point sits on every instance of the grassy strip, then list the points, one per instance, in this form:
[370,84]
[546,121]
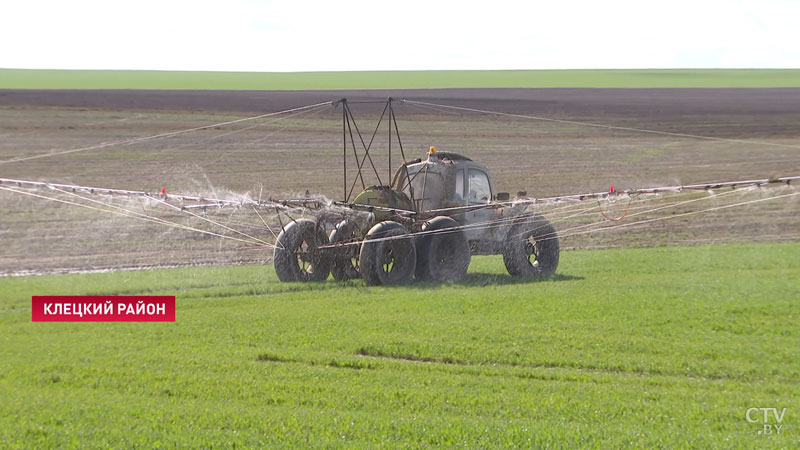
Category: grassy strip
[644,78]
[664,347]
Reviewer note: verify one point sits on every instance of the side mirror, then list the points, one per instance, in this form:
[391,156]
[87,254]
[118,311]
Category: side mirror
[502,196]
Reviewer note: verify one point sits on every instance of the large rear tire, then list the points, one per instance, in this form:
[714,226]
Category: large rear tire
[297,256]
[531,248]
[388,255]
[344,265]
[442,255]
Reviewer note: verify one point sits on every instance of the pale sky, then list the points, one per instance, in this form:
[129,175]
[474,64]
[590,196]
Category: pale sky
[287,35]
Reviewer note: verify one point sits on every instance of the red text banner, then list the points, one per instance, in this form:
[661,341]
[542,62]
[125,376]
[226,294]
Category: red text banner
[135,308]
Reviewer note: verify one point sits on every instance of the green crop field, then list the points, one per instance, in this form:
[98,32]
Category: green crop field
[660,347]
[644,78]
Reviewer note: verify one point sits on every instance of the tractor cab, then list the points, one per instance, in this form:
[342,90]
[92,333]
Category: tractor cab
[444,180]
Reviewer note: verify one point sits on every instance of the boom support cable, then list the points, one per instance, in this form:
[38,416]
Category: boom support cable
[158,136]
[599,125]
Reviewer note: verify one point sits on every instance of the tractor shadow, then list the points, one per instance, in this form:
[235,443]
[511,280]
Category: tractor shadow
[487,279]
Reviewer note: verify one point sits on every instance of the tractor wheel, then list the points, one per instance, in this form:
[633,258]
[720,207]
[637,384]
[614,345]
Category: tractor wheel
[531,248]
[388,261]
[297,257]
[345,260]
[442,256]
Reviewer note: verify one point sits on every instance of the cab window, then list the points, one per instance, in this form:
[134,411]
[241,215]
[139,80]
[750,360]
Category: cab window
[459,185]
[479,190]
[428,189]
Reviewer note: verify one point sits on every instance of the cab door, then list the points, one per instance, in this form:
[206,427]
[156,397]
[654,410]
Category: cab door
[478,192]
